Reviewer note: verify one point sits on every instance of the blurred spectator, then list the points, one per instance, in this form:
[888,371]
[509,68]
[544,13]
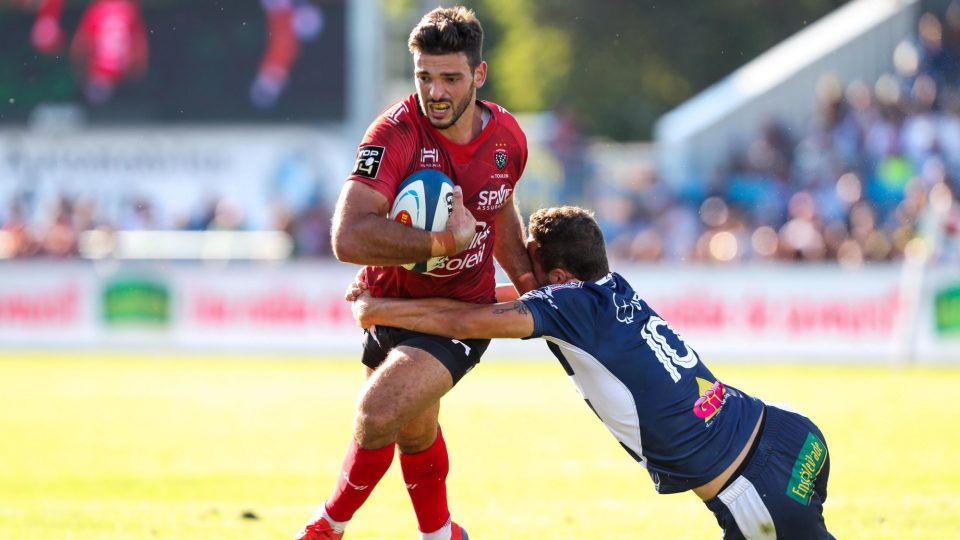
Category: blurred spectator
[139,216]
[109,48]
[18,240]
[203,217]
[47,35]
[60,234]
[226,217]
[288,23]
[568,145]
[310,230]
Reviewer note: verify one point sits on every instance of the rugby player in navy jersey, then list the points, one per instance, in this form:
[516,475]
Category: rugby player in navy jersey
[761,469]
[479,145]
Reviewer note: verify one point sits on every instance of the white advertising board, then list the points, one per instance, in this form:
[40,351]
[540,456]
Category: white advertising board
[750,313]
[52,307]
[777,311]
[177,171]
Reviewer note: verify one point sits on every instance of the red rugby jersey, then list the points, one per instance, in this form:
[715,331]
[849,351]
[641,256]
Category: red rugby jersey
[400,142]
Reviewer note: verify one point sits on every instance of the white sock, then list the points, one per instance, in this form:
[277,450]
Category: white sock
[338,526]
[443,533]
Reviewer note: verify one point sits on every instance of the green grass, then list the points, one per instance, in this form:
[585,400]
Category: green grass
[151,447]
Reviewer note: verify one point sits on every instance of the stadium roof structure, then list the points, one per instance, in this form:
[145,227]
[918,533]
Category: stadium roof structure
[856,41]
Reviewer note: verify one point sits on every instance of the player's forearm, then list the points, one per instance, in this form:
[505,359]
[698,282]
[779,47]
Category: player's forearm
[377,241]
[510,249]
[521,276]
[450,318]
[431,315]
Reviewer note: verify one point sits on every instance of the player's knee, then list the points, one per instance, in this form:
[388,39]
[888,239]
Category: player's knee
[374,427]
[416,440]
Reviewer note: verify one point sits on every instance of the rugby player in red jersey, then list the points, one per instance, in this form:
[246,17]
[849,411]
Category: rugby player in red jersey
[479,145]
[46,35]
[110,47]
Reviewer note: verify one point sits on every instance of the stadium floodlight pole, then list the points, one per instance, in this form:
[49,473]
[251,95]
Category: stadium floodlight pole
[364,73]
[912,271]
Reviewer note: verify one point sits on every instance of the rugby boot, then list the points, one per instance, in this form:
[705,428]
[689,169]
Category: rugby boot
[457,532]
[320,530]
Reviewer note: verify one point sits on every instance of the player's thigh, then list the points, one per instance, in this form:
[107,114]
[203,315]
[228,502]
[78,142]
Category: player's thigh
[778,494]
[406,385]
[458,356]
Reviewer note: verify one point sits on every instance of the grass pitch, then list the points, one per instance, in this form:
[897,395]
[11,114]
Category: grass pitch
[129,447]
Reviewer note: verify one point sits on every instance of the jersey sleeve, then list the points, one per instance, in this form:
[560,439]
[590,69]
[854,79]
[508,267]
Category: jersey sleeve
[522,142]
[384,156]
[565,312]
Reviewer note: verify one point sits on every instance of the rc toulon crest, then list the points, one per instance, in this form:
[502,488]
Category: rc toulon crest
[500,158]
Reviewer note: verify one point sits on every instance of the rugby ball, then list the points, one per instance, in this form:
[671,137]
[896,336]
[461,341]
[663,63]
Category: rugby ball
[424,201]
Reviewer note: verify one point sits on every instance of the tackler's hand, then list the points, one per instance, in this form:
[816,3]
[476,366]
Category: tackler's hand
[354,290]
[361,309]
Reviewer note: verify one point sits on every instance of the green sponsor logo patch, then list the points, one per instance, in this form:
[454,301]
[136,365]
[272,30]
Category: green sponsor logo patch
[947,306]
[806,469]
[135,301]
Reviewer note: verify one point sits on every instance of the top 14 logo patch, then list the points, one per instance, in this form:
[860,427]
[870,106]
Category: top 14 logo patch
[500,158]
[368,160]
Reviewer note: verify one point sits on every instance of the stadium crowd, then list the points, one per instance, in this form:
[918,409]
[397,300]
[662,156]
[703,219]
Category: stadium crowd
[877,166]
[56,232]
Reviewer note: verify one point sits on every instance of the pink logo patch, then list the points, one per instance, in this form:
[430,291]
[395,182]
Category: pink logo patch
[710,402]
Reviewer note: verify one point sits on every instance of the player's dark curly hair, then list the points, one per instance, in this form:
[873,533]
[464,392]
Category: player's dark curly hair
[449,30]
[570,238]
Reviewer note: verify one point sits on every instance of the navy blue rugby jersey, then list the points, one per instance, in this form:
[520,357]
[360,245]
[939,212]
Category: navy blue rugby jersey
[647,386]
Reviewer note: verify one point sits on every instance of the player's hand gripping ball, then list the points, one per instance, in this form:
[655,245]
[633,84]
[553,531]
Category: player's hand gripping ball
[424,201]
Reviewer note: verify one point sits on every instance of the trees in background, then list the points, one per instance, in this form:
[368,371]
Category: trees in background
[620,64]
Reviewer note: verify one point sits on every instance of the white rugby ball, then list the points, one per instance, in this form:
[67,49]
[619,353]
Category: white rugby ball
[424,201]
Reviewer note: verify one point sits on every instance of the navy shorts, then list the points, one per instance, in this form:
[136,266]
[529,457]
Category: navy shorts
[457,355]
[780,492]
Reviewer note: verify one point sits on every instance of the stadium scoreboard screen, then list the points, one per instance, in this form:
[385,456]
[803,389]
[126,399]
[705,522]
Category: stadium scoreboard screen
[174,61]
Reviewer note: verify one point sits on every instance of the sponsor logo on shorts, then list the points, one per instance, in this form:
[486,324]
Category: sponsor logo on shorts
[368,160]
[806,469]
[466,348]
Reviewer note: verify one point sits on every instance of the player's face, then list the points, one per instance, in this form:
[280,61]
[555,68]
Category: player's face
[538,271]
[447,87]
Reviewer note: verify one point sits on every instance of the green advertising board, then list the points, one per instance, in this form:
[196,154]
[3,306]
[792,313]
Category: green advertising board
[947,306]
[136,302]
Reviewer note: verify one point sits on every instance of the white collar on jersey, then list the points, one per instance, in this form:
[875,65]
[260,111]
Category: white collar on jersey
[485,116]
[604,279]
